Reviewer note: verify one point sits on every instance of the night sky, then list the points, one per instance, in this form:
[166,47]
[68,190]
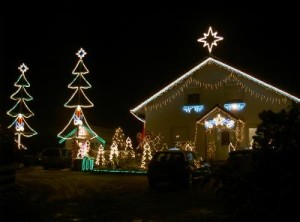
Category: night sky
[133,50]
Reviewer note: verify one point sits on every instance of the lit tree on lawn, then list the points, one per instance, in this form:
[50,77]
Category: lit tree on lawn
[20,111]
[129,160]
[119,138]
[147,156]
[78,128]
[100,159]
[114,154]
[130,154]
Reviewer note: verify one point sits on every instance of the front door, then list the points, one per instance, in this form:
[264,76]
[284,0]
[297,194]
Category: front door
[218,144]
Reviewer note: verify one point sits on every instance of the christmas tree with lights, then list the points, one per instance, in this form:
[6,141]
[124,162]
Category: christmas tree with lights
[119,138]
[78,128]
[147,156]
[20,111]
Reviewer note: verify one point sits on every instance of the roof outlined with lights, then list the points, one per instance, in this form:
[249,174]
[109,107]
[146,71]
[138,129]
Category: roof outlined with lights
[210,60]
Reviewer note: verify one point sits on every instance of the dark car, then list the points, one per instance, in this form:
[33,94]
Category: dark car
[240,160]
[175,167]
[56,157]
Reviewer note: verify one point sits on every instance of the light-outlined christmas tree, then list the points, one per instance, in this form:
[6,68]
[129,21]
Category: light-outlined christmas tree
[20,111]
[130,154]
[119,138]
[147,156]
[78,128]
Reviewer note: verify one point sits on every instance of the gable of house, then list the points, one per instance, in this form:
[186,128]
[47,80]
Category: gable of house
[212,74]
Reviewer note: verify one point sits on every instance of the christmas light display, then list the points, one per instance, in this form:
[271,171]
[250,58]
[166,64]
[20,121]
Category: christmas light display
[210,39]
[100,159]
[114,154]
[119,138]
[80,130]
[20,111]
[130,154]
[196,108]
[147,156]
[234,106]
[219,121]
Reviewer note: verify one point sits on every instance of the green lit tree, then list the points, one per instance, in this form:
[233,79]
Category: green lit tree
[77,128]
[20,111]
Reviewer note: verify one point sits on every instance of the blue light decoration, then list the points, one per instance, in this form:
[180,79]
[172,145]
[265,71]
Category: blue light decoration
[219,121]
[235,106]
[174,148]
[195,108]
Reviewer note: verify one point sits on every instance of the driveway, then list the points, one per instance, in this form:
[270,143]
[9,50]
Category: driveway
[66,195]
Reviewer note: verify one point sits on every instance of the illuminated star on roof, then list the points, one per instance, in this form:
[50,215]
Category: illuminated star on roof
[23,68]
[81,53]
[210,39]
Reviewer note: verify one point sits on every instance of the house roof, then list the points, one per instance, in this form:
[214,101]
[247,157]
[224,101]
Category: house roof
[136,111]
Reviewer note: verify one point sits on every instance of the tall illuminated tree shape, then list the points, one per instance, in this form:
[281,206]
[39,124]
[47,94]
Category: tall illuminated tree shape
[129,149]
[147,156]
[78,127]
[119,138]
[20,111]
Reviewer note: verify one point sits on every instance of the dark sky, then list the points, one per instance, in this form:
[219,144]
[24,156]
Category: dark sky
[133,50]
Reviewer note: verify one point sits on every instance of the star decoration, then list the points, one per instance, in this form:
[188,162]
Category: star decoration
[23,68]
[81,53]
[210,39]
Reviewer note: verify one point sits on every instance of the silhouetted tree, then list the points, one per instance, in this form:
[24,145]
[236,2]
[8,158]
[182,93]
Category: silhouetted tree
[270,188]
[279,131]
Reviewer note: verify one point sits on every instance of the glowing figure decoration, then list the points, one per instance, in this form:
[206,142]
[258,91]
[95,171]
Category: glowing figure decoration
[83,150]
[20,111]
[20,123]
[210,39]
[78,116]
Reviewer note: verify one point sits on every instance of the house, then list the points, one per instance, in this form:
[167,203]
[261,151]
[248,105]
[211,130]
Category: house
[214,106]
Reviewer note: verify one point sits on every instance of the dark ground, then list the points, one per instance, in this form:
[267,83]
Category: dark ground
[65,195]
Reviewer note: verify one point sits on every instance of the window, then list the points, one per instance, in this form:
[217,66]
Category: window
[225,138]
[193,99]
[192,103]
